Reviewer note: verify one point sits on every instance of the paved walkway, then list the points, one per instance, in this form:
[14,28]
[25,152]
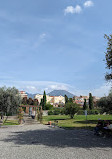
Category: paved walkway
[42,142]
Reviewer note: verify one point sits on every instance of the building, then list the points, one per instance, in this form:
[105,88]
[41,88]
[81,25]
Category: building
[80,100]
[23,94]
[53,100]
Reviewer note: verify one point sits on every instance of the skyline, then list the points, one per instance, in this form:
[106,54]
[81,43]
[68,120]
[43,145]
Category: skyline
[47,45]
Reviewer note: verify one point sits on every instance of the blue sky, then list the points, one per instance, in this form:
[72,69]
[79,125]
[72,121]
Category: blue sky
[49,44]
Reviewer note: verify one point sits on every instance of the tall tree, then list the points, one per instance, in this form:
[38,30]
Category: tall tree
[85,105]
[66,99]
[108,57]
[90,101]
[44,100]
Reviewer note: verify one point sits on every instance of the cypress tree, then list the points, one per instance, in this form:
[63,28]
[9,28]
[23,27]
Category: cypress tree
[66,99]
[85,105]
[44,100]
[90,101]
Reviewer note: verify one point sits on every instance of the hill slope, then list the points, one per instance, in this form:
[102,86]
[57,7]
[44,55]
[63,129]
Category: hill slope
[62,93]
[30,95]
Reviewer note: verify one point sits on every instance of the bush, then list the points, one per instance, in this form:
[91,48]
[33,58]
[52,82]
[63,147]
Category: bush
[80,112]
[89,112]
[50,112]
[56,111]
[48,107]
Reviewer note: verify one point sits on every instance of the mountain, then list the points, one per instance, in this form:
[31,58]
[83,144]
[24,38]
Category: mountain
[62,93]
[30,95]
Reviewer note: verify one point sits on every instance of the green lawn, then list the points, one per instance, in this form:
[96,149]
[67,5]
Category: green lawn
[11,122]
[79,121]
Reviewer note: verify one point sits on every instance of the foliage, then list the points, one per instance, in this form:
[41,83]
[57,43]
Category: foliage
[89,112]
[56,111]
[43,101]
[66,99]
[71,109]
[10,100]
[85,105]
[50,112]
[24,101]
[39,114]
[90,101]
[108,57]
[30,101]
[70,100]
[20,115]
[35,102]
[106,103]
[48,106]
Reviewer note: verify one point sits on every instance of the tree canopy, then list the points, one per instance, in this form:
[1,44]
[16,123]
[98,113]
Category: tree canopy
[71,108]
[108,57]
[10,100]
[106,103]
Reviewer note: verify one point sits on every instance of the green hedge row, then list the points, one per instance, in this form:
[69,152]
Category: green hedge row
[58,111]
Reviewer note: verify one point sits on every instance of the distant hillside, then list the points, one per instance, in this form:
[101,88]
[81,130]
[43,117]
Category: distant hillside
[30,95]
[62,93]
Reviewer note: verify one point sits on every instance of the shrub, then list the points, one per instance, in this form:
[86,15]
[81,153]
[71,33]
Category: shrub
[48,106]
[50,112]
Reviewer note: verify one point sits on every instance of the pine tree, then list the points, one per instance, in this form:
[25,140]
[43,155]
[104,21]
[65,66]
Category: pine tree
[90,101]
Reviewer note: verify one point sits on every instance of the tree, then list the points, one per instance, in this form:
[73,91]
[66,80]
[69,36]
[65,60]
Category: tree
[10,100]
[108,57]
[106,103]
[44,101]
[48,106]
[30,101]
[24,101]
[85,105]
[90,101]
[71,109]
[35,102]
[66,99]
[70,100]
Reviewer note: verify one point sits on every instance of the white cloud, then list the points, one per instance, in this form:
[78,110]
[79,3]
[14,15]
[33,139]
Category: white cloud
[88,4]
[78,9]
[48,86]
[42,36]
[72,10]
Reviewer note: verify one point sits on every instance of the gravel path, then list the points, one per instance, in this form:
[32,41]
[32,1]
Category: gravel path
[42,142]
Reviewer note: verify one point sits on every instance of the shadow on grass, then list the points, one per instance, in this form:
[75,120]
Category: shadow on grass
[84,121]
[88,121]
[59,138]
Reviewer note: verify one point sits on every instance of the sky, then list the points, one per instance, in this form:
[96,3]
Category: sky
[48,44]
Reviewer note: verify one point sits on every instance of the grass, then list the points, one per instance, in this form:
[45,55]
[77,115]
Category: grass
[11,122]
[79,121]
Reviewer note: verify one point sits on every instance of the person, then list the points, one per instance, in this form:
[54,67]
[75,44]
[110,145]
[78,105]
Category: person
[98,127]
[33,115]
[107,128]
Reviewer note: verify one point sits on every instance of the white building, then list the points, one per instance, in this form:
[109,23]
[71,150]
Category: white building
[23,94]
[51,99]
